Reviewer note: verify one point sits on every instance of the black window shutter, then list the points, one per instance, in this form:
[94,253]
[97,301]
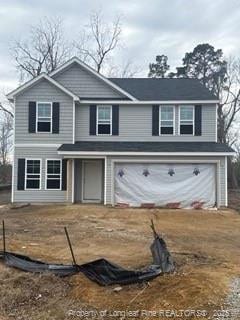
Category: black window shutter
[92,120]
[64,174]
[155,120]
[198,120]
[115,120]
[21,174]
[32,116]
[55,117]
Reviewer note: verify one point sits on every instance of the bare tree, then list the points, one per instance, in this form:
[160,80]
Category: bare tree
[6,126]
[126,70]
[6,107]
[229,106]
[6,110]
[43,51]
[98,40]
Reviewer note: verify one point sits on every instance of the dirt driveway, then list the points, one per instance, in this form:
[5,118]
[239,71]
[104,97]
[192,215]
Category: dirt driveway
[205,246]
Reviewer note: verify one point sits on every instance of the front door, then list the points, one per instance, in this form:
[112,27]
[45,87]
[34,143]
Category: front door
[92,181]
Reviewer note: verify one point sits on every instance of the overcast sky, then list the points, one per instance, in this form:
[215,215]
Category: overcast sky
[152,27]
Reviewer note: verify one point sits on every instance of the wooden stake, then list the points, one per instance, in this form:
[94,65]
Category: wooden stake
[4,239]
[70,246]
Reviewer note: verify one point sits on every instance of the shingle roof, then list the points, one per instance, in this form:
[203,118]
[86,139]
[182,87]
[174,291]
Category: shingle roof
[123,146]
[164,89]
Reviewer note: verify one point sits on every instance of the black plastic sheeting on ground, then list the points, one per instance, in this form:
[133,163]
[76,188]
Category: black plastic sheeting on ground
[101,271]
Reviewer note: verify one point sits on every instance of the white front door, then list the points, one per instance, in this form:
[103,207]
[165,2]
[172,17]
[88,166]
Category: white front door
[92,181]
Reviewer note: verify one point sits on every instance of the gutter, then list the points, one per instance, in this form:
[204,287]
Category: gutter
[124,153]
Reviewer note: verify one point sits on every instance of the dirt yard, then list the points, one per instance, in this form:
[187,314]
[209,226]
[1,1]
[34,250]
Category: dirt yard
[205,246]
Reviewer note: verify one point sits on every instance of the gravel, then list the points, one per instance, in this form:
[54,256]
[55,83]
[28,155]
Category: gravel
[231,308]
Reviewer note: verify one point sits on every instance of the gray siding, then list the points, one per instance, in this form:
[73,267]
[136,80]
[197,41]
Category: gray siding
[85,84]
[220,173]
[65,196]
[37,195]
[135,124]
[43,91]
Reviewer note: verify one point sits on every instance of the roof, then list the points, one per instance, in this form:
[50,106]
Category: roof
[158,147]
[164,88]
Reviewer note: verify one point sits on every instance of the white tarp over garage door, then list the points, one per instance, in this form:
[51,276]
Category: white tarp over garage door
[165,184]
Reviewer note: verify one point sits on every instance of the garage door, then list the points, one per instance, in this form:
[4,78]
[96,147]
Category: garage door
[180,185]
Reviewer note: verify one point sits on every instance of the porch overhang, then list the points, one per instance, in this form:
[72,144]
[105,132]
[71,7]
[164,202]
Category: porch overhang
[132,148]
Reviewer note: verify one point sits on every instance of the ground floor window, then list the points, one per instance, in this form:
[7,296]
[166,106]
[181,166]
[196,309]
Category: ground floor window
[53,174]
[33,174]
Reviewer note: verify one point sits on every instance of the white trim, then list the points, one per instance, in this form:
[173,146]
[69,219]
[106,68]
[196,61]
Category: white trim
[51,116]
[113,161]
[14,160]
[37,145]
[165,160]
[46,173]
[73,180]
[30,83]
[216,127]
[218,183]
[40,175]
[149,102]
[101,134]
[105,181]
[83,157]
[74,121]
[226,181]
[173,120]
[103,153]
[82,182]
[95,73]
[179,121]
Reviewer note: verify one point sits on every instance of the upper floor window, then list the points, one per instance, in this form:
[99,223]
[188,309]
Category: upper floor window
[33,174]
[104,120]
[186,120]
[53,175]
[166,117]
[44,117]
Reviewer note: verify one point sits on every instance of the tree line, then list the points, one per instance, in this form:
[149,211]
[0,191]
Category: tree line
[45,48]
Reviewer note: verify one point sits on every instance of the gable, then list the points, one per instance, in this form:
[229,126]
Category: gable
[35,81]
[43,90]
[84,84]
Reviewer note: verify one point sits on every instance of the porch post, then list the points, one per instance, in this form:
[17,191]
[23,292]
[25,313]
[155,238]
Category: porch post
[73,180]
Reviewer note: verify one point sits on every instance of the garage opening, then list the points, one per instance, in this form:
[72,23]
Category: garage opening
[179,185]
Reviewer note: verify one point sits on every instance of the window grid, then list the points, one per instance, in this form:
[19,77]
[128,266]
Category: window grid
[169,122]
[104,120]
[186,119]
[44,116]
[53,174]
[33,174]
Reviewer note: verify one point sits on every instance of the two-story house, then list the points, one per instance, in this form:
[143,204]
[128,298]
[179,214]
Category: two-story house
[80,137]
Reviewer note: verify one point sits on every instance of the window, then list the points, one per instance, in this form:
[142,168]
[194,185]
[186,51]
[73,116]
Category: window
[53,174]
[33,174]
[44,117]
[166,115]
[186,119]
[104,120]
